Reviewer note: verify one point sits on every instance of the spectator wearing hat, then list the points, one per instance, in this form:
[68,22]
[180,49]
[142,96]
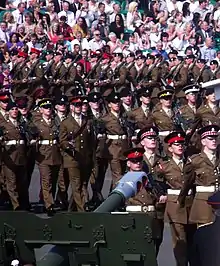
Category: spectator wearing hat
[210,111]
[152,198]
[76,141]
[171,173]
[201,172]
[206,240]
[143,114]
[115,128]
[14,158]
[48,156]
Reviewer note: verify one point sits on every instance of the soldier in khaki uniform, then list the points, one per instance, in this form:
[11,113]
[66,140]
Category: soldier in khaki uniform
[202,173]
[48,156]
[61,112]
[14,158]
[210,111]
[171,172]
[4,99]
[142,116]
[152,198]
[76,141]
[67,75]
[116,137]
[101,163]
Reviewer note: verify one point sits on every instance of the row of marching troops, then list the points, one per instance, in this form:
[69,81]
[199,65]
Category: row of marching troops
[73,132]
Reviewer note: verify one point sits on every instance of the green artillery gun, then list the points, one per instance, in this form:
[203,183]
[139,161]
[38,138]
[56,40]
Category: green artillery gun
[98,238]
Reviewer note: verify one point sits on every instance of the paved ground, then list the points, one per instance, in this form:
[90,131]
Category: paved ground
[165,255]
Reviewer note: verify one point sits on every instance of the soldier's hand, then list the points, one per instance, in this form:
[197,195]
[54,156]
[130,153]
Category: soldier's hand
[57,81]
[96,83]
[163,199]
[188,131]
[24,81]
[33,141]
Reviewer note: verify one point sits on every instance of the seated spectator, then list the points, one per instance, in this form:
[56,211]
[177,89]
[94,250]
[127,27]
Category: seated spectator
[14,42]
[118,26]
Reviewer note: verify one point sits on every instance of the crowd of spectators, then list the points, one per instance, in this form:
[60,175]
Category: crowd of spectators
[160,26]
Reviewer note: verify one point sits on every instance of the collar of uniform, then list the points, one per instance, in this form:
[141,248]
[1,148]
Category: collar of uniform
[126,107]
[210,155]
[13,121]
[177,161]
[144,108]
[192,106]
[115,114]
[149,156]
[77,117]
[61,115]
[3,112]
[48,121]
[95,113]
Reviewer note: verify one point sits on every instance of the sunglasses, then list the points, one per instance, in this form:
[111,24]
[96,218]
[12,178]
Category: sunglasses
[167,98]
[47,106]
[97,34]
[4,101]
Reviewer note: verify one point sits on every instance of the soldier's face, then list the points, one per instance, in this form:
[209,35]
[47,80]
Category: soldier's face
[191,97]
[166,101]
[60,107]
[115,106]
[127,100]
[46,111]
[23,111]
[94,105]
[4,104]
[76,108]
[13,112]
[211,97]
[135,165]
[145,100]
[149,142]
[85,107]
[177,149]
[210,142]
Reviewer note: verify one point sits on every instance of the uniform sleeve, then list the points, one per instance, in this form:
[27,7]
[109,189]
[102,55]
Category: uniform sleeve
[63,137]
[189,179]
[71,79]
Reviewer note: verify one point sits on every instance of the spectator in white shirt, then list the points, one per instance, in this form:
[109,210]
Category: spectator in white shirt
[18,14]
[82,42]
[96,43]
[4,33]
[34,43]
[116,10]
[71,20]
[108,7]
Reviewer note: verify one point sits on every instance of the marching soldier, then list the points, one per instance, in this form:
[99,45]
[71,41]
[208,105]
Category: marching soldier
[126,100]
[61,112]
[155,195]
[38,95]
[76,141]
[187,113]
[18,74]
[142,116]
[201,72]
[101,162]
[214,68]
[14,158]
[26,121]
[67,75]
[210,111]
[57,68]
[171,172]
[202,173]
[163,115]
[117,72]
[117,142]
[137,71]
[48,156]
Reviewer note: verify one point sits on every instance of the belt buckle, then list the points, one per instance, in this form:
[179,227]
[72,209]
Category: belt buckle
[50,142]
[119,137]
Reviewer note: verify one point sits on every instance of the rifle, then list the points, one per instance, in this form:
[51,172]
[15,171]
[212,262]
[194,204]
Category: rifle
[93,69]
[52,79]
[151,67]
[134,95]
[177,70]
[31,70]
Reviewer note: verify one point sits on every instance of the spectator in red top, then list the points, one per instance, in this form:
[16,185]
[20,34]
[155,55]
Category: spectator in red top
[85,62]
[64,28]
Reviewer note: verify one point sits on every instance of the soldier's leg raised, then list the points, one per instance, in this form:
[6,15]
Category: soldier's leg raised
[118,168]
[63,184]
